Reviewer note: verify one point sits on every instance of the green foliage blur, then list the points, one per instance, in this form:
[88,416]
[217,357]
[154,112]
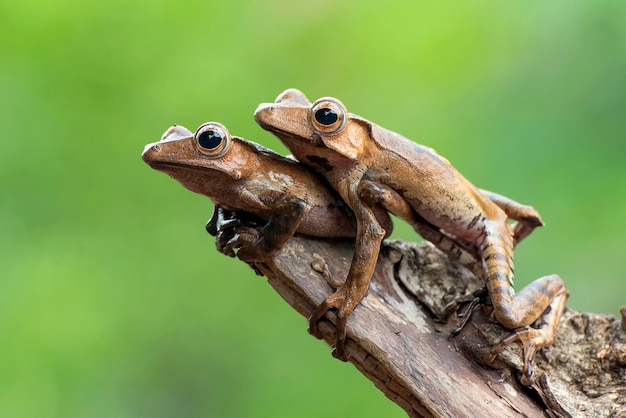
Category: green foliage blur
[113,299]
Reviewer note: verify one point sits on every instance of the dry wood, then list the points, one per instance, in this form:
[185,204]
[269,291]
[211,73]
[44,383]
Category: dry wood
[399,338]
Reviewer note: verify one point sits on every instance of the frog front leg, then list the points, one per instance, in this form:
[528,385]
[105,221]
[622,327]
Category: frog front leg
[367,247]
[257,245]
[222,219]
[225,224]
[519,311]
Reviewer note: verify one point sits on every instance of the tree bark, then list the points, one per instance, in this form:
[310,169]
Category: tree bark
[399,338]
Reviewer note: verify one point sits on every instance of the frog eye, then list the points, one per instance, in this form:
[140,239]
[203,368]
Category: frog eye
[328,116]
[212,139]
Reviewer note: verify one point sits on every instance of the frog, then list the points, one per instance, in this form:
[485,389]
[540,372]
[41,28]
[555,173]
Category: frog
[359,157]
[267,197]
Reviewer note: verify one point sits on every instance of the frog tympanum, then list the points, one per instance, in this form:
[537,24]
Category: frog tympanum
[360,158]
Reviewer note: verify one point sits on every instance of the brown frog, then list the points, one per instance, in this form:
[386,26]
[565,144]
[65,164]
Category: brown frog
[360,158]
[256,183]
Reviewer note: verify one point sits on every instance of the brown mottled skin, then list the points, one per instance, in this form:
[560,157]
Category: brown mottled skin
[359,158]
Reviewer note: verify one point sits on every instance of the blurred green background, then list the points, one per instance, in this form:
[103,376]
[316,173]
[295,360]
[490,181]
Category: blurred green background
[113,299]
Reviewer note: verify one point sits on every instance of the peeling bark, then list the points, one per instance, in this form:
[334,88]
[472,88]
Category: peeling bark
[399,338]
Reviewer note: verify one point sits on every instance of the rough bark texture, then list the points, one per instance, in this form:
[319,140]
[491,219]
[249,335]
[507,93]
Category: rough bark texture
[399,338]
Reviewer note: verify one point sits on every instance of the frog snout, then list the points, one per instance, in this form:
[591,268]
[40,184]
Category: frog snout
[149,151]
[261,111]
[173,133]
[148,147]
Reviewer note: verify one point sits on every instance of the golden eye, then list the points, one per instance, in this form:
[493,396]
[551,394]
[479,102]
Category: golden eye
[328,116]
[212,139]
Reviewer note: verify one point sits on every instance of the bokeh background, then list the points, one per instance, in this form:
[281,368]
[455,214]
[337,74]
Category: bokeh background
[113,299]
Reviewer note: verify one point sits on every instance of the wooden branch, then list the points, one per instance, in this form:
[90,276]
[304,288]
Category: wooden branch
[399,338]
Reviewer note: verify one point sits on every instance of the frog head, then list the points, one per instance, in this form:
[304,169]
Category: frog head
[208,161]
[302,125]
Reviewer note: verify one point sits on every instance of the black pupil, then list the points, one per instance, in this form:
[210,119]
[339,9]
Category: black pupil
[210,139]
[326,116]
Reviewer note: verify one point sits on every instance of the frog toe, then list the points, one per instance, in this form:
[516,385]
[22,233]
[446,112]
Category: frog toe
[316,317]
[530,340]
[239,239]
[336,301]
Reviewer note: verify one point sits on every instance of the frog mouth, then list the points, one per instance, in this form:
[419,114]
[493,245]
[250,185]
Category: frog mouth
[163,165]
[276,131]
[185,174]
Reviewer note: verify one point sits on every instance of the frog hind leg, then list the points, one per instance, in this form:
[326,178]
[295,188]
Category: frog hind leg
[544,300]
[527,217]
[382,198]
[541,334]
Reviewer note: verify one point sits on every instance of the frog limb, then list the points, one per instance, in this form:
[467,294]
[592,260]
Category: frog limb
[231,240]
[519,311]
[221,226]
[223,219]
[526,216]
[258,245]
[367,246]
[379,194]
[532,339]
[225,224]
[457,249]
